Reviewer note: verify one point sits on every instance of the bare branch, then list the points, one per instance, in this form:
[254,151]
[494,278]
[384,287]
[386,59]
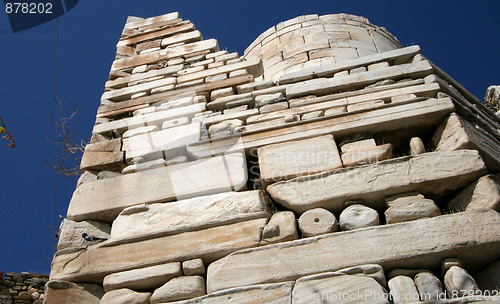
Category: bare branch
[68,153]
[6,136]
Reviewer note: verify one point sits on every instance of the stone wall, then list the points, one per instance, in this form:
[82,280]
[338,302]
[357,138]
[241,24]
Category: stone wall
[22,288]
[215,178]
[313,40]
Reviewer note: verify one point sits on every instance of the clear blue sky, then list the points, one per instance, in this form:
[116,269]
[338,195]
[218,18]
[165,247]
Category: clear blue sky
[461,37]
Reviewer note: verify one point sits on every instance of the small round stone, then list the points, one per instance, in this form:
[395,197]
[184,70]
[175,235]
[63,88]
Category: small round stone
[358,216]
[316,222]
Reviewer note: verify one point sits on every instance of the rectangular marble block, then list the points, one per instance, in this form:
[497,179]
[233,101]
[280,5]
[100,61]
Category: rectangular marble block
[104,199]
[164,140]
[432,174]
[416,244]
[94,263]
[298,158]
[196,213]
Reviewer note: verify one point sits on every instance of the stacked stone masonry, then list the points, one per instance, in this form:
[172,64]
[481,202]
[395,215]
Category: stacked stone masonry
[326,162]
[22,288]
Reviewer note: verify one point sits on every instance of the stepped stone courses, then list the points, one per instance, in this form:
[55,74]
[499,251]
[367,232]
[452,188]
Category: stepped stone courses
[328,164]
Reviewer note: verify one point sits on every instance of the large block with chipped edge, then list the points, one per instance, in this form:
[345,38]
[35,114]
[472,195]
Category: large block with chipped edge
[417,244]
[432,174]
[104,199]
[298,158]
[145,221]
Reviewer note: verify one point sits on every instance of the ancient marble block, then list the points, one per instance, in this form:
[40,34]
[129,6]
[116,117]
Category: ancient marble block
[403,290]
[423,243]
[297,158]
[458,281]
[481,194]
[190,214]
[409,207]
[94,263]
[432,174]
[367,155]
[180,288]
[70,234]
[125,295]
[428,285]
[97,160]
[358,216]
[338,288]
[194,267]
[147,278]
[282,227]
[167,140]
[390,118]
[95,201]
[278,293]
[69,293]
[455,133]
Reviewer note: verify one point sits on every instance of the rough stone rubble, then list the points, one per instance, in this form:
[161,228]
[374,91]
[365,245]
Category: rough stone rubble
[327,161]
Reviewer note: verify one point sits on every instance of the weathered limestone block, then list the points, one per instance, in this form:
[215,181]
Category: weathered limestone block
[273,107]
[165,140]
[180,288]
[257,85]
[184,37]
[224,92]
[481,194]
[224,128]
[147,278]
[323,86]
[181,121]
[298,158]
[143,89]
[403,54]
[281,227]
[390,118]
[317,221]
[148,119]
[71,232]
[432,174]
[455,133]
[447,263]
[338,288]
[96,160]
[178,51]
[279,293]
[113,145]
[367,155]
[266,99]
[62,292]
[403,290]
[95,201]
[417,146]
[125,296]
[196,213]
[428,285]
[94,263]
[417,244]
[358,216]
[139,131]
[142,166]
[489,278]
[409,207]
[87,176]
[358,145]
[458,281]
[194,267]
